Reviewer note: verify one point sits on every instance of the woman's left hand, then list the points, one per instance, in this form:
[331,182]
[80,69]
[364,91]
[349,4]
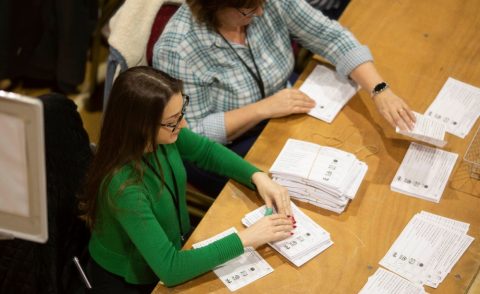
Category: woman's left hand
[394,110]
[272,193]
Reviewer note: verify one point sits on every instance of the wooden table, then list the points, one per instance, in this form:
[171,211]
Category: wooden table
[417,45]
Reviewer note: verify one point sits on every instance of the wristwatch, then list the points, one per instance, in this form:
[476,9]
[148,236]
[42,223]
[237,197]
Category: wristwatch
[379,88]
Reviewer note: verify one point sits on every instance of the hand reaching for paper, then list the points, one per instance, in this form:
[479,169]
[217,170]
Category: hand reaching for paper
[390,106]
[394,110]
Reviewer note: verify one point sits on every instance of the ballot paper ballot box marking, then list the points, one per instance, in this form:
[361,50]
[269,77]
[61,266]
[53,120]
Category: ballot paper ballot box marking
[309,238]
[242,270]
[326,177]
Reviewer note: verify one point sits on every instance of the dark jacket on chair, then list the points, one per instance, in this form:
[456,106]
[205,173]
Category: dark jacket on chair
[28,267]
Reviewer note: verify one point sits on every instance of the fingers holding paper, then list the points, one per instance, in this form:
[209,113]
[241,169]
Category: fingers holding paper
[272,193]
[271,228]
[285,102]
[395,110]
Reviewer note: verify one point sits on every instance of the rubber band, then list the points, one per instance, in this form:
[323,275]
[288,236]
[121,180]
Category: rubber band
[335,141]
[372,148]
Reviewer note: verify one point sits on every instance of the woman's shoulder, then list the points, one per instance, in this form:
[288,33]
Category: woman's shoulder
[125,177]
[183,32]
[179,28]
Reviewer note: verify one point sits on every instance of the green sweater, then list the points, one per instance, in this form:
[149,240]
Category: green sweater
[137,233]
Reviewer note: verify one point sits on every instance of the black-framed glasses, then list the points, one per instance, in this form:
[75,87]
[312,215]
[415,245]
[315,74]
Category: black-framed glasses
[248,14]
[174,126]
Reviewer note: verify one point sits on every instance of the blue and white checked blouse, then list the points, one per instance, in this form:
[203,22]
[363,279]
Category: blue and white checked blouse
[217,81]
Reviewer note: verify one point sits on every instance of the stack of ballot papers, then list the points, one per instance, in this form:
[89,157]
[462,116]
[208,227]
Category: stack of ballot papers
[308,239]
[383,282]
[424,172]
[323,176]
[240,271]
[329,90]
[457,105]
[427,130]
[427,249]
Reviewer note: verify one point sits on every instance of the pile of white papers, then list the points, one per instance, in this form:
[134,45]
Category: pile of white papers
[427,130]
[384,281]
[241,271]
[308,239]
[424,172]
[427,249]
[457,105]
[329,90]
[323,176]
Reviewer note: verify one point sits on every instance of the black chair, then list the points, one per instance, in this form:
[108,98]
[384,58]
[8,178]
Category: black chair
[28,267]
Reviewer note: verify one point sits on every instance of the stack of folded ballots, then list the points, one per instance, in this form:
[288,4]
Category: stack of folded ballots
[308,239]
[428,248]
[323,176]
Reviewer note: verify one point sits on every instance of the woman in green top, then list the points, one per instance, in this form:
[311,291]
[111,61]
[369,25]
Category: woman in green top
[136,203]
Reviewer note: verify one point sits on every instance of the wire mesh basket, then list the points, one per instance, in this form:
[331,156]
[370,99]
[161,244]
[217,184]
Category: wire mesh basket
[472,156]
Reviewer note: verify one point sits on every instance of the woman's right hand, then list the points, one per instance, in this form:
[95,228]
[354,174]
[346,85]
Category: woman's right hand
[285,102]
[270,228]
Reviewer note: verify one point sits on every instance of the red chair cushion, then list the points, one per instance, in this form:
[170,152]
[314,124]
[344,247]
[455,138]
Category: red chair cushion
[161,19]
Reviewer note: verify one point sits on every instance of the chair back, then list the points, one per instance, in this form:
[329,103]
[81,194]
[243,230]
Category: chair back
[161,19]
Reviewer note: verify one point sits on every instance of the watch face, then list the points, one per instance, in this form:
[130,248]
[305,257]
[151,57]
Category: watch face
[380,87]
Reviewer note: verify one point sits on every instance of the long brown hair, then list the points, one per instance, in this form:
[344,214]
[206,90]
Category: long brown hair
[205,11]
[130,125]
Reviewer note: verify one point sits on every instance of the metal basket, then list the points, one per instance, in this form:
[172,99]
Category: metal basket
[472,156]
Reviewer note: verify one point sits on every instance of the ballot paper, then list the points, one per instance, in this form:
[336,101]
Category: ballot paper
[240,271]
[427,249]
[329,90]
[424,172]
[445,222]
[308,239]
[323,176]
[457,105]
[427,129]
[383,282]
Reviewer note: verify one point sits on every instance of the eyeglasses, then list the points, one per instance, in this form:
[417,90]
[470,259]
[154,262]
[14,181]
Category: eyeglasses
[250,13]
[174,126]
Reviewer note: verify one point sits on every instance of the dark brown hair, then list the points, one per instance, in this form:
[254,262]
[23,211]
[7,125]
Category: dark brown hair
[204,11]
[130,124]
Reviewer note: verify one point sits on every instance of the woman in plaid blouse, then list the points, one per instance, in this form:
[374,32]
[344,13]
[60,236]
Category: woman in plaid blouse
[235,58]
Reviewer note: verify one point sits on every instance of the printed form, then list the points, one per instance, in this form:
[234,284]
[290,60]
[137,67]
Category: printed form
[424,172]
[383,282]
[323,176]
[329,90]
[457,105]
[309,239]
[427,249]
[427,130]
[240,271]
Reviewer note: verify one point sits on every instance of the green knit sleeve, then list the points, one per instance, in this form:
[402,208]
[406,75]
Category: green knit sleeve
[214,157]
[172,266]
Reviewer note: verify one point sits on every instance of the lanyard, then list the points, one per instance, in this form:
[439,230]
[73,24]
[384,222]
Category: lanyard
[257,77]
[175,196]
